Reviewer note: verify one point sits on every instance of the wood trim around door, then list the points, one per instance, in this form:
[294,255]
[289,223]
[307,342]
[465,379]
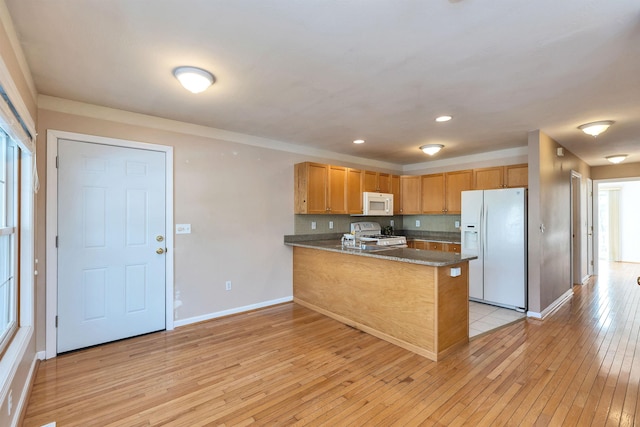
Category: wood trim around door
[52,227]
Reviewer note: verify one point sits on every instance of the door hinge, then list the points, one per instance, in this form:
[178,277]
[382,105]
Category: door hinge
[56,162]
[56,321]
[56,241]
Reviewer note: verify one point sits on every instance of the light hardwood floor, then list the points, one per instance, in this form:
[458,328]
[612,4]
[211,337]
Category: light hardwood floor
[288,365]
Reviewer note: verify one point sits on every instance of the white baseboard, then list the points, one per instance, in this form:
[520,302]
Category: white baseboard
[196,319]
[24,395]
[553,307]
[41,355]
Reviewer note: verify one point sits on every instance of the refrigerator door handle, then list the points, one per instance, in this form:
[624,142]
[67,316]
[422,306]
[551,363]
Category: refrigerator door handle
[485,229]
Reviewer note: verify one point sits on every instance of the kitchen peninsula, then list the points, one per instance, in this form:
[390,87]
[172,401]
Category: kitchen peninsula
[416,299]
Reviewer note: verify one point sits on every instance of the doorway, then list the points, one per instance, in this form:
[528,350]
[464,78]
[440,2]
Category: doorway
[89,298]
[618,202]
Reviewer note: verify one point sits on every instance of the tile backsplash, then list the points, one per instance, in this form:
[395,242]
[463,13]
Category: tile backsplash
[341,223]
[431,222]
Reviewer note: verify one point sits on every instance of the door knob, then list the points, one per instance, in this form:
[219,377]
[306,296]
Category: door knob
[159,251]
[159,238]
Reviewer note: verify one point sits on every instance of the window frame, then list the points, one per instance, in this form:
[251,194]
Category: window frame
[10,226]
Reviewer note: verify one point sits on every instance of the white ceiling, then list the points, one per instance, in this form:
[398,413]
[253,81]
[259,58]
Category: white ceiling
[322,73]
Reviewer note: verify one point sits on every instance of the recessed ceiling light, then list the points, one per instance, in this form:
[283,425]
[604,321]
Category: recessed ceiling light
[431,149]
[615,159]
[194,79]
[359,141]
[443,118]
[596,128]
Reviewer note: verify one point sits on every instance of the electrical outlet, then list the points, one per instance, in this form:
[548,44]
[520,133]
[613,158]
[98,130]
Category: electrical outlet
[392,223]
[330,225]
[227,285]
[313,225]
[417,223]
[457,224]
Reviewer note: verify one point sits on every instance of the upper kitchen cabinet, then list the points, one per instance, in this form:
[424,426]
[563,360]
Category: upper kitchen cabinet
[379,182]
[455,184]
[397,194]
[433,194]
[441,192]
[354,191]
[501,177]
[409,195]
[320,189]
[337,194]
[516,175]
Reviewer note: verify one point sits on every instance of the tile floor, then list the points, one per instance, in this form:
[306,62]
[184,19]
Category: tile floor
[485,317]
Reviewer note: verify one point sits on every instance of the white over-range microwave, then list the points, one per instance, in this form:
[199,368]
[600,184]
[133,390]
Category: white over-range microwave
[377,204]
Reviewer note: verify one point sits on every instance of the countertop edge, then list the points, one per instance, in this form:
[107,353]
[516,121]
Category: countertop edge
[399,255]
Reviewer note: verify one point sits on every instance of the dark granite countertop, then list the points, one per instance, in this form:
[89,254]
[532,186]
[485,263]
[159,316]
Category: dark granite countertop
[414,256]
[432,236]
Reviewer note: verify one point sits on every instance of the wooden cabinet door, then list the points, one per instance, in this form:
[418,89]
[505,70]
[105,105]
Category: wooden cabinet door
[337,194]
[370,181]
[410,194]
[395,190]
[384,182]
[434,246]
[421,244]
[377,182]
[317,188]
[455,184]
[488,178]
[433,196]
[354,191]
[452,247]
[516,175]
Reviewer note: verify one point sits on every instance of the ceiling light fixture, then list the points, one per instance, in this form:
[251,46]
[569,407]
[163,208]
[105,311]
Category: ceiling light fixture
[596,128]
[443,118]
[615,159]
[359,141]
[431,149]
[194,79]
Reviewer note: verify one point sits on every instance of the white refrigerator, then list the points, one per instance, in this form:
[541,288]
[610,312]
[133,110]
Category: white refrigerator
[494,228]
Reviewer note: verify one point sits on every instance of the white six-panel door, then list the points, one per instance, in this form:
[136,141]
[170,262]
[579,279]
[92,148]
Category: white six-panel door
[111,243]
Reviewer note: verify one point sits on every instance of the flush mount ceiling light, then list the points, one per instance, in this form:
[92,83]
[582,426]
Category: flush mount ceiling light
[359,141]
[194,79]
[443,118]
[431,149]
[615,159]
[596,128]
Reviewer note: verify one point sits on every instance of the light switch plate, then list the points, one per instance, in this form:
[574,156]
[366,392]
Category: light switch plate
[183,228]
[417,223]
